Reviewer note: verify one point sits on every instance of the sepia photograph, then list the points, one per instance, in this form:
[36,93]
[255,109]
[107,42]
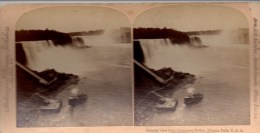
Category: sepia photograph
[124,67]
[191,66]
[73,67]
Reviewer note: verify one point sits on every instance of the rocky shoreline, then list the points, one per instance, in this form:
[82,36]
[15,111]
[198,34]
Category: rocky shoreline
[145,100]
[28,104]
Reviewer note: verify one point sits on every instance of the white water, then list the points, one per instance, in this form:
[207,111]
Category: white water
[159,53]
[42,55]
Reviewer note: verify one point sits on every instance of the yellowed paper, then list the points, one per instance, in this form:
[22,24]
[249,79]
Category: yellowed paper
[132,67]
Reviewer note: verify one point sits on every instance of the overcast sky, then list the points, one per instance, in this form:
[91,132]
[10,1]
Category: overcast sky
[71,19]
[192,18]
[183,18]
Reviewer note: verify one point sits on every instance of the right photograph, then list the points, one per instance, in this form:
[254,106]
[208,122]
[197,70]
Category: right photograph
[191,66]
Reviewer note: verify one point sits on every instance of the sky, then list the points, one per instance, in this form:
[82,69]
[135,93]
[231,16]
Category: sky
[192,18]
[179,17]
[72,19]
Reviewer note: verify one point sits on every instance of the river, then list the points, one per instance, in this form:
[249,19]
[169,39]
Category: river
[104,71]
[222,73]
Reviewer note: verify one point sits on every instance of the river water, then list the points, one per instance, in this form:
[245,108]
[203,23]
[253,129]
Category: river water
[222,73]
[104,70]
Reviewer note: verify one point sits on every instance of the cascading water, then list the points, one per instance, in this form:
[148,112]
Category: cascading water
[42,55]
[159,53]
[83,55]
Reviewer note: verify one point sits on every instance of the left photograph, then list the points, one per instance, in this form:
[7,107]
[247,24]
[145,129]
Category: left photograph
[73,67]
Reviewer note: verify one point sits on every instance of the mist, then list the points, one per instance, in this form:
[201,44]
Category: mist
[42,55]
[159,54]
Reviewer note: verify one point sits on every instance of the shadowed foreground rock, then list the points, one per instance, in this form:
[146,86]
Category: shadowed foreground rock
[29,104]
[145,101]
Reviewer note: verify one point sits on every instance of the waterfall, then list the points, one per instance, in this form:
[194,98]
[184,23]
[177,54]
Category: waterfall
[196,57]
[153,50]
[33,51]
[160,53]
[42,55]
[76,58]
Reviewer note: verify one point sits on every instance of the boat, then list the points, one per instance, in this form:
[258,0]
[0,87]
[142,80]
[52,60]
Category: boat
[192,99]
[167,104]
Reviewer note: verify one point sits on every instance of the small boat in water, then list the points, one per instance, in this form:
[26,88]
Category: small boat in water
[192,99]
[167,104]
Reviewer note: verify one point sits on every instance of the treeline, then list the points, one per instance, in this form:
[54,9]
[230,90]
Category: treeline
[157,33]
[206,32]
[87,33]
[58,38]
